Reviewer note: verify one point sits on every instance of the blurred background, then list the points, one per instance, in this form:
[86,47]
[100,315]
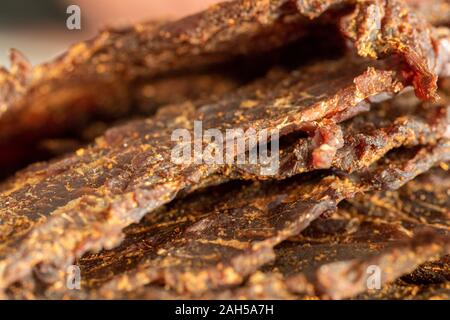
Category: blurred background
[38,28]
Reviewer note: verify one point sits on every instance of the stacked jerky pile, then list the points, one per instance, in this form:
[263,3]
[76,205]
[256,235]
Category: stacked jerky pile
[352,87]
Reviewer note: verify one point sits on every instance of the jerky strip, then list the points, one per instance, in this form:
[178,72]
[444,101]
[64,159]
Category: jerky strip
[422,201]
[260,286]
[104,265]
[265,224]
[263,286]
[358,142]
[431,281]
[239,236]
[434,272]
[148,95]
[343,245]
[215,243]
[86,124]
[116,59]
[388,229]
[128,172]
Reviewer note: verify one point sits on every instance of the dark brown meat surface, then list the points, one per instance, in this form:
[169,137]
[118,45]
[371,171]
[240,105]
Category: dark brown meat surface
[61,97]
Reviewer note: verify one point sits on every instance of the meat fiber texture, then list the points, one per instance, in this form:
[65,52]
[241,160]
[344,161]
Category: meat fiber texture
[210,245]
[346,126]
[198,227]
[60,98]
[128,172]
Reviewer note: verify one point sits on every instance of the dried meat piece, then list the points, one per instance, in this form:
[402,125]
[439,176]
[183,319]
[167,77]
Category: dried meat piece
[390,241]
[422,201]
[430,281]
[87,124]
[128,172]
[201,86]
[101,198]
[356,143]
[118,59]
[389,230]
[259,286]
[209,235]
[32,174]
[434,272]
[383,27]
[392,25]
[240,233]
[50,98]
[342,268]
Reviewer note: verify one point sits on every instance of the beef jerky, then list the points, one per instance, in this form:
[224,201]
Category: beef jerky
[422,201]
[148,95]
[86,125]
[332,256]
[257,100]
[116,59]
[343,246]
[435,272]
[390,241]
[82,179]
[259,286]
[341,269]
[196,250]
[202,86]
[239,236]
[358,142]
[128,171]
[386,24]
[113,61]
[430,281]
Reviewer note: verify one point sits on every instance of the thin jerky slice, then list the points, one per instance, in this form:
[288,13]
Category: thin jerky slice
[221,249]
[259,286]
[92,195]
[434,272]
[422,201]
[216,243]
[86,124]
[348,240]
[142,239]
[116,59]
[331,258]
[379,27]
[362,140]
[430,281]
[201,86]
